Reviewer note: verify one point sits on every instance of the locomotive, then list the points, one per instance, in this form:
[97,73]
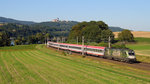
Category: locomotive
[125,55]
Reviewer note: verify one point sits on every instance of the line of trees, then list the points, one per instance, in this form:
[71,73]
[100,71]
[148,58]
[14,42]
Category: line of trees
[39,38]
[93,31]
[25,34]
[19,30]
[100,33]
[6,40]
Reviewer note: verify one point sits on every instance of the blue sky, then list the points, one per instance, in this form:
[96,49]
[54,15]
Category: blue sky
[129,14]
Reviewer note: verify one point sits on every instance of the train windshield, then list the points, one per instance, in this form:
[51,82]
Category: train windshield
[131,54]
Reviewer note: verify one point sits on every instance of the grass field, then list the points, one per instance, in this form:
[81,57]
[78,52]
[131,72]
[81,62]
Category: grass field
[142,40]
[20,47]
[35,64]
[142,49]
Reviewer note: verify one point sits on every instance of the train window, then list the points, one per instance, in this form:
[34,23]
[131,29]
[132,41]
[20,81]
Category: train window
[63,46]
[100,51]
[94,50]
[55,44]
[74,47]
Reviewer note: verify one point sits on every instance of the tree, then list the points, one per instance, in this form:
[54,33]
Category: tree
[18,42]
[40,38]
[1,39]
[47,36]
[126,36]
[92,31]
[32,39]
[23,40]
[106,34]
[4,39]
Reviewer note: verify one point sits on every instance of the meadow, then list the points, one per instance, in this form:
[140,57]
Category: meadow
[36,64]
[141,48]
[142,45]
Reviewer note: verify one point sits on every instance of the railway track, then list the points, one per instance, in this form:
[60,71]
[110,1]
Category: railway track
[137,65]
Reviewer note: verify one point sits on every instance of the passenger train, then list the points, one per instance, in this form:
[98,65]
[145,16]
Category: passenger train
[125,55]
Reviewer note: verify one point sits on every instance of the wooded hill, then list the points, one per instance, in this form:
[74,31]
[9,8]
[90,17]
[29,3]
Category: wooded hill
[61,26]
[38,32]
[9,20]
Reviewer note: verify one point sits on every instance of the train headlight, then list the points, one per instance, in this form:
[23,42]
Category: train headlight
[131,57]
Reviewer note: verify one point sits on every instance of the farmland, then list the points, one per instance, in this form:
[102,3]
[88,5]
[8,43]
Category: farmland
[30,64]
[136,34]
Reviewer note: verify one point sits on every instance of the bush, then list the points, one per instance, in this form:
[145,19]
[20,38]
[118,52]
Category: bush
[119,45]
[103,44]
[126,36]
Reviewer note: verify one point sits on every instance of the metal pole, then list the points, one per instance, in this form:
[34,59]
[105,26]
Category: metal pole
[58,44]
[57,39]
[45,40]
[82,45]
[109,44]
[77,40]
[62,39]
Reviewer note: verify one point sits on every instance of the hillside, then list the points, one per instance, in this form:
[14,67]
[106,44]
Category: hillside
[68,25]
[61,24]
[9,20]
[115,29]
[54,28]
[137,34]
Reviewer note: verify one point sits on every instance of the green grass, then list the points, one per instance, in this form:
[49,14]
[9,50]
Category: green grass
[39,65]
[19,47]
[142,49]
[139,46]
[143,40]
[143,58]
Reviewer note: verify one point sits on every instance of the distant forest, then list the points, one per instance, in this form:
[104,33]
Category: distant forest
[55,29]
[26,32]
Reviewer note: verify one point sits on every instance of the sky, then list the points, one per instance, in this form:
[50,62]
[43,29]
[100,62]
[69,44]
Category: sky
[128,14]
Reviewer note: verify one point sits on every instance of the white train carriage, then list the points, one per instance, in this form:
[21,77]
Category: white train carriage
[75,48]
[94,50]
[53,44]
[91,50]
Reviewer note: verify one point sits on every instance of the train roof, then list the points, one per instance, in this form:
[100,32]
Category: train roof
[87,46]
